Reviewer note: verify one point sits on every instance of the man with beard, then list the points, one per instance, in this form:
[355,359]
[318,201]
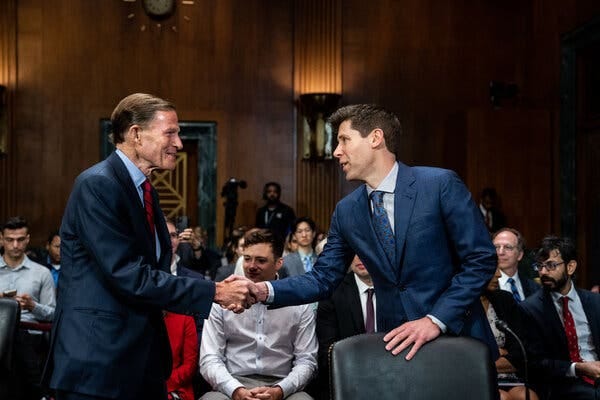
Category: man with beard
[563,327]
[275,215]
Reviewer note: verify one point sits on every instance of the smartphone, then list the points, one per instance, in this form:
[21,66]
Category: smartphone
[10,293]
[181,223]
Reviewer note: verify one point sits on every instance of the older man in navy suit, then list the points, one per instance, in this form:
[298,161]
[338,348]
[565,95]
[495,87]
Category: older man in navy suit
[109,339]
[420,235]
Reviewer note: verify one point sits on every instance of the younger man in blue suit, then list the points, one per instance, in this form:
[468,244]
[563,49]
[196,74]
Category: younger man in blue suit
[420,235]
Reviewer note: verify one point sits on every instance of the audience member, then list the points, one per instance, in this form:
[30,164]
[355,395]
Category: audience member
[510,246]
[303,259]
[196,255]
[32,286]
[291,245]
[262,353]
[236,249]
[416,229]
[500,305]
[562,327]
[184,347]
[53,256]
[488,205]
[274,214]
[350,311]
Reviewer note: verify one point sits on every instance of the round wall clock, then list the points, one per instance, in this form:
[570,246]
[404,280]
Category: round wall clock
[159,9]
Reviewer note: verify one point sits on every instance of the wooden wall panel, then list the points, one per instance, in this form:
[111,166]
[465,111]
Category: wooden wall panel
[8,73]
[233,62]
[228,61]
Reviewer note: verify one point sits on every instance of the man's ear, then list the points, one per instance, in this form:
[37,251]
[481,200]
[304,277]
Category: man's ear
[278,263]
[571,267]
[134,132]
[377,138]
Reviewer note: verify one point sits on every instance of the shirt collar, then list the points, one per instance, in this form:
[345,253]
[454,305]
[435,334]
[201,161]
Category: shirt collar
[388,184]
[572,294]
[136,174]
[362,287]
[25,264]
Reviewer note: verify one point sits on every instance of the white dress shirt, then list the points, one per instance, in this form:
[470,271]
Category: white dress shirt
[504,285]
[362,291]
[278,343]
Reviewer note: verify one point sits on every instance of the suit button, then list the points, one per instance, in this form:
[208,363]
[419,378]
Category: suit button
[402,288]
[468,313]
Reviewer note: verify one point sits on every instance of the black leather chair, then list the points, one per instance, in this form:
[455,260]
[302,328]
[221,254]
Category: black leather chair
[10,314]
[447,368]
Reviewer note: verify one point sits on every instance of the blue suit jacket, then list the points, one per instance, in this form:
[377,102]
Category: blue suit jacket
[108,336]
[444,255]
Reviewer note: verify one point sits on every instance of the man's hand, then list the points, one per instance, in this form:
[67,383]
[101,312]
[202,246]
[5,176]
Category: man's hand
[267,392]
[262,291]
[588,368]
[241,393]
[416,332]
[235,293]
[26,301]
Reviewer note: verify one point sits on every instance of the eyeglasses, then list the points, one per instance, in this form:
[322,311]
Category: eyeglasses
[506,247]
[550,265]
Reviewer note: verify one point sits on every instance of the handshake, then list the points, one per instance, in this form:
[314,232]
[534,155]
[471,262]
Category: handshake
[237,293]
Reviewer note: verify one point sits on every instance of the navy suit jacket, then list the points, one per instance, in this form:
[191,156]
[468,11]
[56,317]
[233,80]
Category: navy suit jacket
[529,286]
[109,337]
[444,255]
[546,338]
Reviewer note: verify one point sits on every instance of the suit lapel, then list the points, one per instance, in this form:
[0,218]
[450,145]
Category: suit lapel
[139,215]
[354,302]
[550,310]
[404,202]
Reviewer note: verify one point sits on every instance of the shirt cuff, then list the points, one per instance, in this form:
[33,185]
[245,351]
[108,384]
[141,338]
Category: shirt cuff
[439,323]
[271,295]
[231,386]
[571,371]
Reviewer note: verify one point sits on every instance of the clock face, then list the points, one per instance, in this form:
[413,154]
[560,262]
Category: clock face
[159,9]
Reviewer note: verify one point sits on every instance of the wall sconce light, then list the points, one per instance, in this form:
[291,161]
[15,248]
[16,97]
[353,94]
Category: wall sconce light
[317,138]
[3,120]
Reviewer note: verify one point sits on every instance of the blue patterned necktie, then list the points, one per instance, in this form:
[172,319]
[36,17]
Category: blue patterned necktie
[307,264]
[382,226]
[514,290]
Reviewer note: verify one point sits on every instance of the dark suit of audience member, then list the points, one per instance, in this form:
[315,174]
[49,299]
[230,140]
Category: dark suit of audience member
[342,316]
[555,356]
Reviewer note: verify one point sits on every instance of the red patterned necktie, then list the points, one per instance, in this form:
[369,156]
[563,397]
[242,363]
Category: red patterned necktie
[147,189]
[370,323]
[571,333]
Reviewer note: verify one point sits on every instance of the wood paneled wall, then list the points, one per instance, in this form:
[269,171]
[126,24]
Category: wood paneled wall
[233,62]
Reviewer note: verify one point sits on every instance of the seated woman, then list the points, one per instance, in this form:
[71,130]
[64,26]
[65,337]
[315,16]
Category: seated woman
[500,305]
[184,345]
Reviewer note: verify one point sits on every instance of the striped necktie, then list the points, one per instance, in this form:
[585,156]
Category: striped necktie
[382,226]
[147,189]
[514,290]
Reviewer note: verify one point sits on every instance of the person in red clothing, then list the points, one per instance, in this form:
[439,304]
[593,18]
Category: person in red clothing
[184,346]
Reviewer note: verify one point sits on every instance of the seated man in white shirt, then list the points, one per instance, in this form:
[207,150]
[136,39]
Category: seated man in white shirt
[261,353]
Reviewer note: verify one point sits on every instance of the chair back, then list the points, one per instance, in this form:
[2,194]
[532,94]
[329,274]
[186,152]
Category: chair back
[446,368]
[10,314]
